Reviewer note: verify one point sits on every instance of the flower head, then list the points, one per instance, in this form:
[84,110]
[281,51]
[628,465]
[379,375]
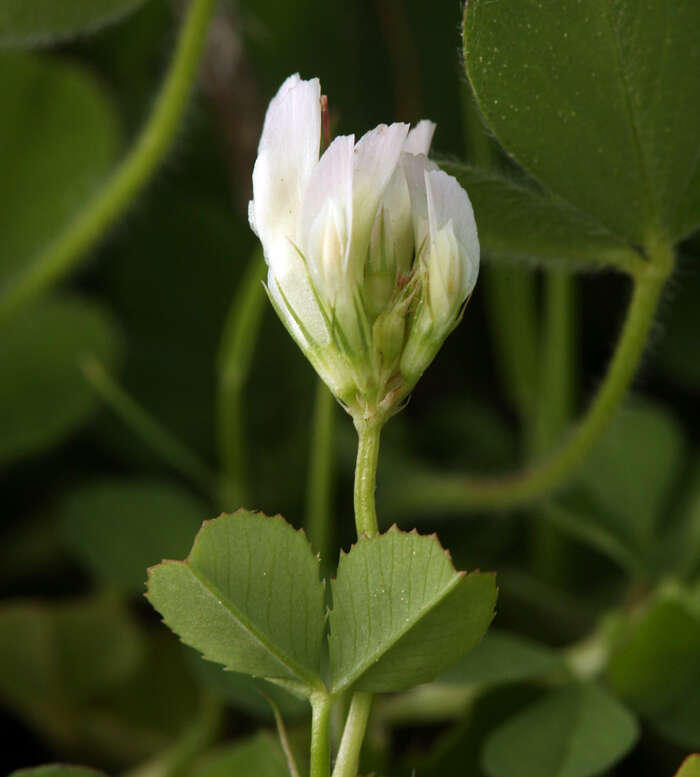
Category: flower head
[371,249]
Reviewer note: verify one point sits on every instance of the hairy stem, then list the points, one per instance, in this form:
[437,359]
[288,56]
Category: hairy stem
[366,477]
[63,254]
[458,493]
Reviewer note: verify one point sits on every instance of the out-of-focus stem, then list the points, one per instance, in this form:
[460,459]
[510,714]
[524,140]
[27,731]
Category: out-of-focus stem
[235,356]
[555,386]
[553,406]
[151,431]
[348,759]
[458,492]
[99,214]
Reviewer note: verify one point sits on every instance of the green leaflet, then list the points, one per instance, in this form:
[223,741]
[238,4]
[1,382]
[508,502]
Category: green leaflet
[118,527]
[56,657]
[249,597]
[50,162]
[690,767]
[606,507]
[656,669]
[32,22]
[598,101]
[260,755]
[402,614]
[500,658]
[43,394]
[576,731]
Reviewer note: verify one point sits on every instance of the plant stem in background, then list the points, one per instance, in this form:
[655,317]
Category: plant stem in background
[99,214]
[511,303]
[458,493]
[176,761]
[348,759]
[235,356]
[320,484]
[555,387]
[156,436]
[553,407]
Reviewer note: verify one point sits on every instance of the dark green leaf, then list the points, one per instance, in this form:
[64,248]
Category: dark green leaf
[32,22]
[519,220]
[83,676]
[502,658]
[248,596]
[657,669]
[607,507]
[598,101]
[118,528]
[152,709]
[55,657]
[43,394]
[402,614]
[259,756]
[457,751]
[50,163]
[577,731]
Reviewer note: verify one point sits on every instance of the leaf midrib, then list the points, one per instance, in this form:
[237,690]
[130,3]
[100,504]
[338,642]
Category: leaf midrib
[381,651]
[300,672]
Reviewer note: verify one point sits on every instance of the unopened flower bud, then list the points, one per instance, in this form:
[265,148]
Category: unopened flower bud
[371,250]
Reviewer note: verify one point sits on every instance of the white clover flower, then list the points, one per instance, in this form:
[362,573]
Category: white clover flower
[371,249]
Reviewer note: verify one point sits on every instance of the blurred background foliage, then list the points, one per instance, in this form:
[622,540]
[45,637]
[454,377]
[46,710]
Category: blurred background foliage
[106,465]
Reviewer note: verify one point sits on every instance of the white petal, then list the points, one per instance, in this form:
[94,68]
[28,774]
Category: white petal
[397,214]
[375,158]
[448,204]
[414,167]
[397,202]
[327,211]
[287,153]
[295,299]
[251,217]
[420,137]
